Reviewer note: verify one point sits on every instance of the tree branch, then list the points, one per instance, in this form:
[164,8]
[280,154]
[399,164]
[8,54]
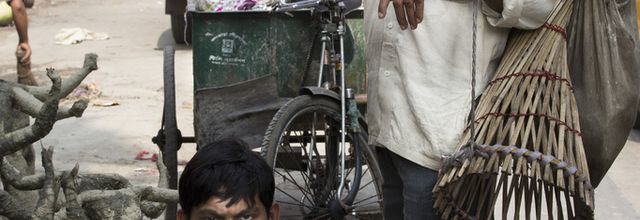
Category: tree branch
[90,64]
[13,177]
[70,187]
[83,181]
[110,181]
[49,193]
[161,195]
[153,200]
[30,105]
[94,195]
[10,208]
[16,140]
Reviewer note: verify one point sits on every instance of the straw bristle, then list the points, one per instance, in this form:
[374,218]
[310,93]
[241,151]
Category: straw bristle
[529,161]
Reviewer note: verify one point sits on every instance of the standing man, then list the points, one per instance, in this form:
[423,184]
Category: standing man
[23,51]
[419,69]
[20,19]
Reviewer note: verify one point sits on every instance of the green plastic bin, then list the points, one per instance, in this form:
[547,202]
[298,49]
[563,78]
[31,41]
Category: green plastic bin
[246,65]
[234,47]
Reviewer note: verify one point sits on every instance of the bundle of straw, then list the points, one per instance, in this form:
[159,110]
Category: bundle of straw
[526,147]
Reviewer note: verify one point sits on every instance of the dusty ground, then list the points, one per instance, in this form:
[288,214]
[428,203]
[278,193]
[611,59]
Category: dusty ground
[106,139]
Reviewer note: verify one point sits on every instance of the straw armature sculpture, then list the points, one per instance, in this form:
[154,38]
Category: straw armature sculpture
[525,158]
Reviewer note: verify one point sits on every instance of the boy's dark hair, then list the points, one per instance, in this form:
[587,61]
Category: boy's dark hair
[227,170]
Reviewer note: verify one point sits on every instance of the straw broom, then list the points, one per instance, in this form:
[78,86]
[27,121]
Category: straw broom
[525,158]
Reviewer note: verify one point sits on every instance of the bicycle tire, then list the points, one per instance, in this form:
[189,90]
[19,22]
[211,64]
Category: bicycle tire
[180,29]
[289,117]
[170,126]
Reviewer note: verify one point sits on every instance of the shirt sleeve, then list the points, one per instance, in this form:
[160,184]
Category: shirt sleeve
[521,14]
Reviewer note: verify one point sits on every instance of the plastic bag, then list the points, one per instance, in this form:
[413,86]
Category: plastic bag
[230,5]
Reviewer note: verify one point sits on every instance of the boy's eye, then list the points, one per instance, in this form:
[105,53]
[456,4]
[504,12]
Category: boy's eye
[246,217]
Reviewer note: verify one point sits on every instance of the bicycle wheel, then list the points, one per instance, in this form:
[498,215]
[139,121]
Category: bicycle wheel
[302,146]
[171,133]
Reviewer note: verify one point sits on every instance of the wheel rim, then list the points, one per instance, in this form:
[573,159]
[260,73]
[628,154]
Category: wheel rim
[307,173]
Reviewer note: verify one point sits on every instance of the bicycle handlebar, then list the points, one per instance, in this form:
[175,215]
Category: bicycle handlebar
[347,5]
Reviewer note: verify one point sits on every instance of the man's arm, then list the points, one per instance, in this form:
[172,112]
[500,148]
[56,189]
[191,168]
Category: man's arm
[21,22]
[521,14]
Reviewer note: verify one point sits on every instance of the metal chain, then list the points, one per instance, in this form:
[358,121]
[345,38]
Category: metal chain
[472,113]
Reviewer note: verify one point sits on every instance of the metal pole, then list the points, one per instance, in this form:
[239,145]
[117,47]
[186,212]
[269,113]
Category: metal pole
[342,110]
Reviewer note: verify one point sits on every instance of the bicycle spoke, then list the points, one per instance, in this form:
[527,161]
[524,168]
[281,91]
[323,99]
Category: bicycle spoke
[291,203]
[308,155]
[370,197]
[296,135]
[290,196]
[365,185]
[348,172]
[303,174]
[365,170]
[305,193]
[359,203]
[292,179]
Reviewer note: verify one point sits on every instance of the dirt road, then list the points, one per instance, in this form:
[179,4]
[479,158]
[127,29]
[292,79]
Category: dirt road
[106,139]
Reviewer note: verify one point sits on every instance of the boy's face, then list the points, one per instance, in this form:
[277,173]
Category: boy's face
[216,209]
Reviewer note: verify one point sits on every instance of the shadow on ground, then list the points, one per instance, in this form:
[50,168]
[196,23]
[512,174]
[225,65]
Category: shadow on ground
[166,39]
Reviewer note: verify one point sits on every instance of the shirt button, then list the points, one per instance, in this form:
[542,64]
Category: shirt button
[387,73]
[390,25]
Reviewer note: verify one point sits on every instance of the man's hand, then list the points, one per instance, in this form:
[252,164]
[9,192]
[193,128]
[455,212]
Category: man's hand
[408,12]
[22,23]
[26,59]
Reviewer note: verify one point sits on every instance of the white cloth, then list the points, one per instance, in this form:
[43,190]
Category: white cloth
[420,81]
[68,36]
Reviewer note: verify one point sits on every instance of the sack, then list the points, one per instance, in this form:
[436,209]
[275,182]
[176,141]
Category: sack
[604,65]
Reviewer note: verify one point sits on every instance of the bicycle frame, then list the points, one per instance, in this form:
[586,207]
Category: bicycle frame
[333,24]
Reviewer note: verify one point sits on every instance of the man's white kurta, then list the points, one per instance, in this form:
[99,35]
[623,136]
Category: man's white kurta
[420,81]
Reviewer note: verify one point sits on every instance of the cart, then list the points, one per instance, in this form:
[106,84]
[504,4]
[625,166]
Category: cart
[246,66]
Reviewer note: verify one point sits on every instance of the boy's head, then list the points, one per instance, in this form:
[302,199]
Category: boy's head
[226,180]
